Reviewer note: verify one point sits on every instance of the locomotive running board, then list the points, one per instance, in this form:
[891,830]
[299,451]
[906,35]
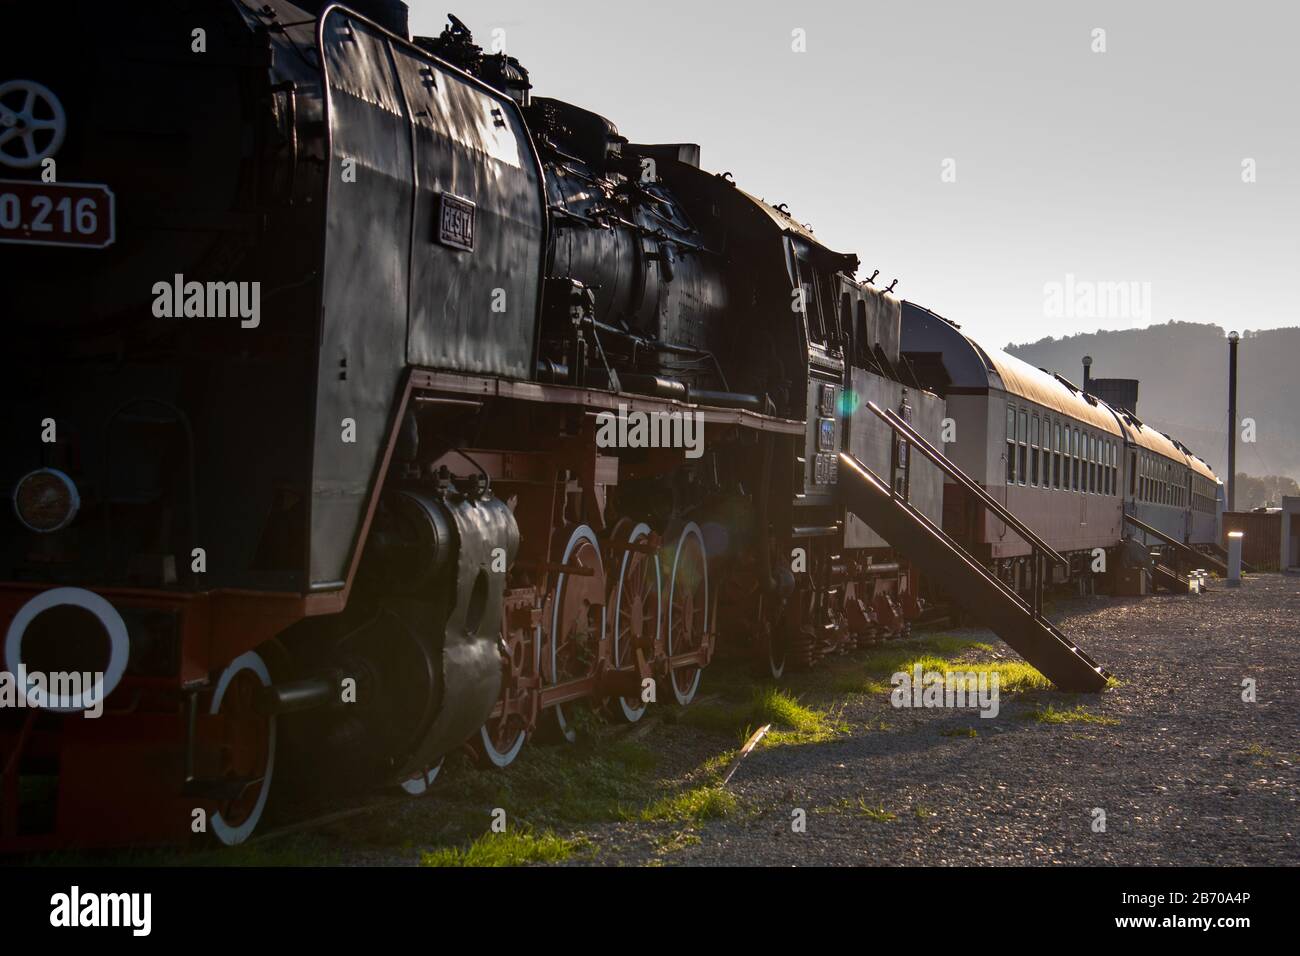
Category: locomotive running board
[969,583]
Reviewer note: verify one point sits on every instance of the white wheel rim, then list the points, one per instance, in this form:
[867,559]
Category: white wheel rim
[580,533]
[234,835]
[633,714]
[421,782]
[501,758]
[109,618]
[776,670]
[691,530]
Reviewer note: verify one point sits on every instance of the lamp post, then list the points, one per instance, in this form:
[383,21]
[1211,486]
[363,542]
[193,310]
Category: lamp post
[1233,339]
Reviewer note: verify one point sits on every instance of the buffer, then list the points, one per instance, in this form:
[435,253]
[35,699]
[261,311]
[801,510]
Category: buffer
[1017,621]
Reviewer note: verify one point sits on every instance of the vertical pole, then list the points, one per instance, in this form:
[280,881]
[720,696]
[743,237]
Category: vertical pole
[1233,338]
[894,440]
[1038,582]
[1087,372]
[907,471]
[1234,559]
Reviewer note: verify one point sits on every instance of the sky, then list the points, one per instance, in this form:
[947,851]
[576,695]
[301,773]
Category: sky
[1016,170]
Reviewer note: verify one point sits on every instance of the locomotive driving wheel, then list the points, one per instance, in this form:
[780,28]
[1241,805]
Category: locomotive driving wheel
[688,606]
[241,745]
[635,611]
[503,735]
[771,643]
[577,622]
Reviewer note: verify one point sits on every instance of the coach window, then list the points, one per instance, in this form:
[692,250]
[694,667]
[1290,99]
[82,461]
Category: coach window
[1033,450]
[1114,468]
[1105,463]
[1081,479]
[1090,465]
[1096,465]
[1011,445]
[1056,454]
[1087,463]
[1132,474]
[1022,436]
[1072,470]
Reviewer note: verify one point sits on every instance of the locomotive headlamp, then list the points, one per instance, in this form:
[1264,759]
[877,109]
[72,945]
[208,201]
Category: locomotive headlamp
[46,500]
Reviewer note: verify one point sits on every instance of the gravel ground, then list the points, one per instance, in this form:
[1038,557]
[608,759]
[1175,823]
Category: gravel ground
[1188,774]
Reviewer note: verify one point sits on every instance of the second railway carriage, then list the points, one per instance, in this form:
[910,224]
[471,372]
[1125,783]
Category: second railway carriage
[1206,502]
[1033,440]
[1166,486]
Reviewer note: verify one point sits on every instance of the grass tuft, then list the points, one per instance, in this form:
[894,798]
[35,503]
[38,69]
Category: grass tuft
[710,802]
[793,722]
[511,848]
[878,814]
[1077,715]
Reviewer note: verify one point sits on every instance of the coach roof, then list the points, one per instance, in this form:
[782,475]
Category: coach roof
[970,368]
[1023,380]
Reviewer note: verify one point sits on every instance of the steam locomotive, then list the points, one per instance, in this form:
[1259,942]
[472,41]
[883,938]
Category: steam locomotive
[363,404]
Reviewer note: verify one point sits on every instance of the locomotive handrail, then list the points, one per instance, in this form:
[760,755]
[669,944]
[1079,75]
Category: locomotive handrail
[952,471]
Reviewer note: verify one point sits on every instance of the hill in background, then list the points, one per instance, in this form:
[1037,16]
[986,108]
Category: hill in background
[1183,370]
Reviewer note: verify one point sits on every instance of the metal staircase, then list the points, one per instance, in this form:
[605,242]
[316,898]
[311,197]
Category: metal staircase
[1019,622]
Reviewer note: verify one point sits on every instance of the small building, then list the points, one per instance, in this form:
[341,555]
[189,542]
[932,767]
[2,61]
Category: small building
[1261,546]
[1289,534]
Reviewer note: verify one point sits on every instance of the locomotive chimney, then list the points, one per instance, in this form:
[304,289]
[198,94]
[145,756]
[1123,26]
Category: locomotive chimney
[1233,338]
[1087,371]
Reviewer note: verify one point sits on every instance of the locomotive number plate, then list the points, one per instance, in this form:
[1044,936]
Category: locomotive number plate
[456,222]
[56,214]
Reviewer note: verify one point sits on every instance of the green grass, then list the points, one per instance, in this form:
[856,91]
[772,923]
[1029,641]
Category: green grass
[939,652]
[678,840]
[707,802]
[793,722]
[878,814]
[1076,715]
[959,732]
[558,786]
[511,848]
